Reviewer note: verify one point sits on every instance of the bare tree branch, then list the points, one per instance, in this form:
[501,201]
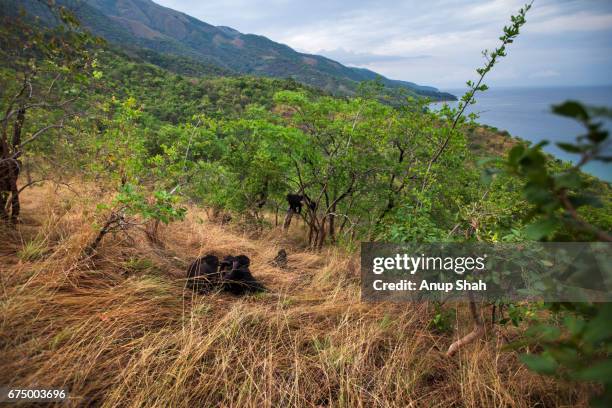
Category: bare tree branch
[41,131]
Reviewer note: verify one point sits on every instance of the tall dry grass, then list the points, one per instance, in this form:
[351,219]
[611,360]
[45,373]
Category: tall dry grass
[121,330]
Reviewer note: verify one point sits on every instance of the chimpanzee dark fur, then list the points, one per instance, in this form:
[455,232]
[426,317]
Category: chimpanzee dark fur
[239,280]
[203,274]
[295,202]
[226,264]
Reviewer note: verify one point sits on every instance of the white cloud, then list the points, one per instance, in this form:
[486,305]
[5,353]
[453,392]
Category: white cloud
[362,58]
[492,8]
[582,21]
[566,37]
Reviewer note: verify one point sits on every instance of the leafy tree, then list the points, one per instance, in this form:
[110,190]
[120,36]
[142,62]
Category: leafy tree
[338,158]
[48,66]
[114,156]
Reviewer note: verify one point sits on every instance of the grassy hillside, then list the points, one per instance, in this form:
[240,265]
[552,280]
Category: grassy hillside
[120,329]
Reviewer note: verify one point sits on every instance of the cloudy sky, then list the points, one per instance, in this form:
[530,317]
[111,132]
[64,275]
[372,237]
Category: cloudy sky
[434,42]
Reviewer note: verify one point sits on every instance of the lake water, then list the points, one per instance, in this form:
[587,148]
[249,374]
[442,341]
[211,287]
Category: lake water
[526,113]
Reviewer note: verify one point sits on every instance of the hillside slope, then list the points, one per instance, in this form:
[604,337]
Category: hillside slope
[143,23]
[121,330]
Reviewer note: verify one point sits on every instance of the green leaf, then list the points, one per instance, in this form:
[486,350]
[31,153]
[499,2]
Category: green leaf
[583,199]
[566,355]
[569,179]
[544,332]
[574,325]
[516,153]
[600,372]
[600,329]
[541,228]
[571,109]
[597,136]
[571,148]
[540,144]
[605,159]
[539,364]
[537,194]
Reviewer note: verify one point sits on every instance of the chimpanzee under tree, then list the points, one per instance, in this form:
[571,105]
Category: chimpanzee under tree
[295,202]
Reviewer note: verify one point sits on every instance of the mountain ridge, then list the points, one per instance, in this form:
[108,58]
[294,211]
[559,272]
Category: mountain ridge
[146,24]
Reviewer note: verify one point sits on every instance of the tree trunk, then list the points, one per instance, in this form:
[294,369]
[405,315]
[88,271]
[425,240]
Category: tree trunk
[9,172]
[353,234]
[15,207]
[17,126]
[288,218]
[321,237]
[332,226]
[151,231]
[3,200]
[313,234]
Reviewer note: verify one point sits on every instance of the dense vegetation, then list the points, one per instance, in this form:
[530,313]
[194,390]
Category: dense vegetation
[156,141]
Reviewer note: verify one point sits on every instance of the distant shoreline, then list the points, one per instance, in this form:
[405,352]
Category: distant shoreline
[525,113]
[460,90]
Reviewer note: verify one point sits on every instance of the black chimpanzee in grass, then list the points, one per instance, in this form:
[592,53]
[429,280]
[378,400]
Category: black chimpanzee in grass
[239,280]
[203,274]
[226,265]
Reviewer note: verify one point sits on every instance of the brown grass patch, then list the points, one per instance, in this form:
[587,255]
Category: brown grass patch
[121,330]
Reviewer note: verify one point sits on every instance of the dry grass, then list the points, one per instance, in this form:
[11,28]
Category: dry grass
[121,330]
